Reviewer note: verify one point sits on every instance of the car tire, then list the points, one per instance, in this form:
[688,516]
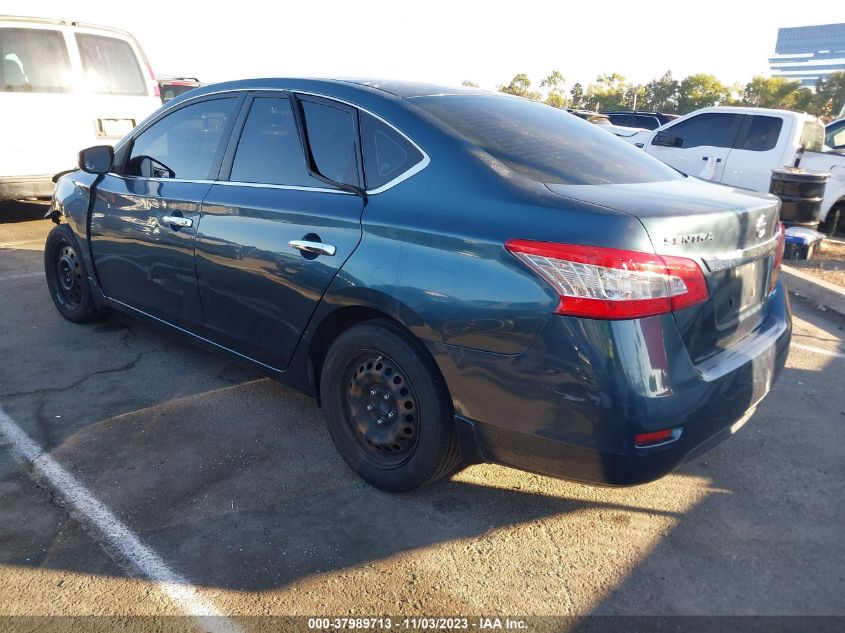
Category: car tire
[387,408]
[67,277]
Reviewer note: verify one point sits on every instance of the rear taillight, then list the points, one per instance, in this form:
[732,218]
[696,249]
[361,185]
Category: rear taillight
[157,90]
[780,234]
[608,283]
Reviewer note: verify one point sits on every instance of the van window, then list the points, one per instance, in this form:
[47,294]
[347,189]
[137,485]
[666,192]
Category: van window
[269,150]
[186,141]
[543,143]
[34,60]
[110,65]
[387,154]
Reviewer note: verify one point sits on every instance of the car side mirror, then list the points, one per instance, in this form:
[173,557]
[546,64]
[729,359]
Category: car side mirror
[665,139]
[97,159]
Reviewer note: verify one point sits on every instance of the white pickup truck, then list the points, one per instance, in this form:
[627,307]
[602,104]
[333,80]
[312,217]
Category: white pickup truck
[741,146]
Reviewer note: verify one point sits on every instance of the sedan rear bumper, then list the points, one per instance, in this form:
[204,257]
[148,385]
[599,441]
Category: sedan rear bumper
[571,405]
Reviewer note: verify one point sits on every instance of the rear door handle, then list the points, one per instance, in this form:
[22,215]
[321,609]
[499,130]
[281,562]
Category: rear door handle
[315,248]
[718,160]
[176,220]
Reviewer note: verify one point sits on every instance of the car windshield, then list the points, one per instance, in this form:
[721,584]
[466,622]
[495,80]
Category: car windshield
[543,143]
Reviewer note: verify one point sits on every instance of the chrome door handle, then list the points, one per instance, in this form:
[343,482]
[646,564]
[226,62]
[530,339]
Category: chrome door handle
[316,248]
[176,220]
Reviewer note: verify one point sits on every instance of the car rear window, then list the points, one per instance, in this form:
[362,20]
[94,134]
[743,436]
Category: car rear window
[34,60]
[110,65]
[544,143]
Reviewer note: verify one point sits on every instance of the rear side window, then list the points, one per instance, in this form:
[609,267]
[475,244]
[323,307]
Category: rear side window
[620,119]
[544,143]
[717,129]
[761,134]
[269,150]
[331,134]
[387,154]
[186,141]
[34,60]
[644,121]
[110,65]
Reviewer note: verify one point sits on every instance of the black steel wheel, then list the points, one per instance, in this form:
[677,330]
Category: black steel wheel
[382,407]
[67,277]
[387,407]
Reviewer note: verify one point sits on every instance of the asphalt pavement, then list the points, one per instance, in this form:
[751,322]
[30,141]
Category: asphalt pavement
[150,457]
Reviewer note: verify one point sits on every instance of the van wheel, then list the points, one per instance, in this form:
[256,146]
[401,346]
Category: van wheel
[387,408]
[67,277]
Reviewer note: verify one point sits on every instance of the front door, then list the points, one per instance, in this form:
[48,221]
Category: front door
[271,236]
[699,145]
[145,216]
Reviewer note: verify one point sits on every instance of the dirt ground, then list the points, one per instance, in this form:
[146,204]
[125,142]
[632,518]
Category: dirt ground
[828,263]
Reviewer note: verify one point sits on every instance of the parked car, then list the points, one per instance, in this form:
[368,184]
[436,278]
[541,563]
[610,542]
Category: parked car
[171,87]
[457,276]
[834,135]
[589,115]
[72,83]
[740,146]
[639,118]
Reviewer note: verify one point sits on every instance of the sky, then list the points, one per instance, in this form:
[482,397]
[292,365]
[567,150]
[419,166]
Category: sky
[446,42]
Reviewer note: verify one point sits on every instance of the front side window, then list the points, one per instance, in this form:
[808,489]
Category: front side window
[715,129]
[33,60]
[269,150]
[331,135]
[762,133]
[387,154]
[110,65]
[183,144]
[544,143]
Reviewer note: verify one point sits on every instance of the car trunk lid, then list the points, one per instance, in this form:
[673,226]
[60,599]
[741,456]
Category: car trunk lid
[729,232]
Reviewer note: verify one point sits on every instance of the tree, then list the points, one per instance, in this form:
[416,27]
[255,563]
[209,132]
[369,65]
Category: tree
[469,84]
[699,91]
[555,84]
[830,95]
[519,86]
[608,92]
[576,94]
[661,95]
[770,92]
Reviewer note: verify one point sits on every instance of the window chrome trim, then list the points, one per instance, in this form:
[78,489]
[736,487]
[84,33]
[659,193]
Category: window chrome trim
[262,185]
[412,171]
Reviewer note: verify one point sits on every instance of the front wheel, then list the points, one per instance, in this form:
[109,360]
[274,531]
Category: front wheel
[387,408]
[67,277]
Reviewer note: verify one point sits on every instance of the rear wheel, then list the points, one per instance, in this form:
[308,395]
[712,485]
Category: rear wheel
[67,277]
[387,408]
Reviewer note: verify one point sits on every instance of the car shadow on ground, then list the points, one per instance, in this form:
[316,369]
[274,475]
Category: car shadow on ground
[18,211]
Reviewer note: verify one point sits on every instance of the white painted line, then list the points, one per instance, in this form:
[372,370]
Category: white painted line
[818,350]
[22,276]
[113,531]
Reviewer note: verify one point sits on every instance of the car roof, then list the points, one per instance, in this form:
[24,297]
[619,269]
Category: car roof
[391,88]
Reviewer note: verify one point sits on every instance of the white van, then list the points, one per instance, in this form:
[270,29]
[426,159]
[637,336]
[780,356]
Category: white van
[64,86]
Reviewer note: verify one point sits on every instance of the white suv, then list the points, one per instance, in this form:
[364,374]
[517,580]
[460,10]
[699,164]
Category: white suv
[64,86]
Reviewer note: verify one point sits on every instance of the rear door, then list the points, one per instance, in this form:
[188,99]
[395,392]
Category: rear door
[145,215]
[699,145]
[271,236]
[38,126]
[118,90]
[759,147]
